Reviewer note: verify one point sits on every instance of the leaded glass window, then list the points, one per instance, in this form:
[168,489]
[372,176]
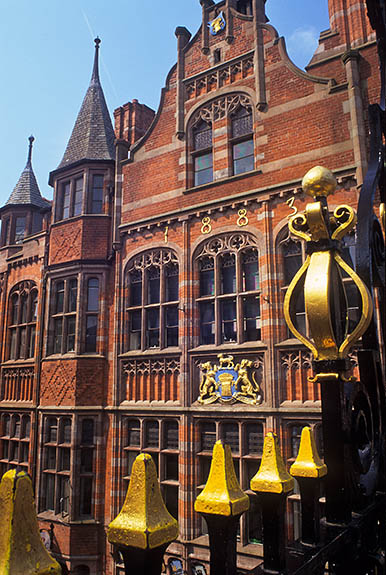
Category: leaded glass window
[229,291]
[153,301]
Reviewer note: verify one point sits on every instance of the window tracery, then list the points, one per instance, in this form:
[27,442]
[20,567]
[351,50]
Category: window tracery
[152,306]
[22,320]
[229,293]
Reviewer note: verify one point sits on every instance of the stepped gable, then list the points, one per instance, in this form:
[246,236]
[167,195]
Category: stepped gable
[93,136]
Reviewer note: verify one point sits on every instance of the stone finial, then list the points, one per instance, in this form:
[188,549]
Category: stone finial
[143,522]
[272,476]
[21,548]
[308,462]
[222,494]
[31,140]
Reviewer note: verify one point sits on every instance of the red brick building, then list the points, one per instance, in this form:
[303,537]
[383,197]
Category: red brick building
[166,244]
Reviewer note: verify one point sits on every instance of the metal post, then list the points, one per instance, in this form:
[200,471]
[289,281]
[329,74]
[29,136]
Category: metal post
[308,470]
[273,483]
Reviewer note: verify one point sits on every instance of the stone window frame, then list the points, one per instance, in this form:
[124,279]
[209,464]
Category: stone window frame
[141,305]
[80,314]
[163,451]
[56,465]
[210,112]
[215,248]
[65,445]
[86,202]
[26,295]
[246,462]
[14,439]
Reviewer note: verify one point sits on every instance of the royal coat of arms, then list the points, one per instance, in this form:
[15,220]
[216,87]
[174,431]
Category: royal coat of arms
[228,382]
[217,25]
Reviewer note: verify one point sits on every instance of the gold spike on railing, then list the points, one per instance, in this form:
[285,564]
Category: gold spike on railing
[308,462]
[144,522]
[21,549]
[222,494]
[272,476]
[221,503]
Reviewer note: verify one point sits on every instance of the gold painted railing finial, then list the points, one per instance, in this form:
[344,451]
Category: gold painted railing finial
[320,277]
[143,522]
[308,462]
[21,548]
[222,494]
[272,476]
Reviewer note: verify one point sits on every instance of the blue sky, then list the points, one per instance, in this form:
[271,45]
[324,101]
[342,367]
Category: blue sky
[46,61]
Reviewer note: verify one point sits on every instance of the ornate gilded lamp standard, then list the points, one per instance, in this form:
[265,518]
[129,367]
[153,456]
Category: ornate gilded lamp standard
[320,282]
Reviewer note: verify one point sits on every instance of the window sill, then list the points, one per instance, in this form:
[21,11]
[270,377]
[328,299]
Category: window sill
[78,217]
[69,356]
[19,362]
[290,343]
[156,351]
[234,347]
[221,181]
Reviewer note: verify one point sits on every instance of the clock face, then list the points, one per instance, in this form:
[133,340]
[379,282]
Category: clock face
[46,538]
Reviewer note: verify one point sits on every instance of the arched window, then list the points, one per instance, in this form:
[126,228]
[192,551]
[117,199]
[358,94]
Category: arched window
[202,153]
[229,292]
[242,140]
[153,301]
[22,321]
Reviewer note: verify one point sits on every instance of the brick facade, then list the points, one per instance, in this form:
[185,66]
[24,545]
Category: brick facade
[115,365]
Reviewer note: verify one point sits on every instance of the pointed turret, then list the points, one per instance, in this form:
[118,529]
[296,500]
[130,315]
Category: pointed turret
[26,191]
[93,136]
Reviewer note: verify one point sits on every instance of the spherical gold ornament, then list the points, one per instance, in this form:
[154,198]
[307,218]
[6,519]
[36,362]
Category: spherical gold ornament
[319,181]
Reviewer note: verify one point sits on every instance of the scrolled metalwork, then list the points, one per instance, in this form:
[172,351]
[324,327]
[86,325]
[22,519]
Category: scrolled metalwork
[320,277]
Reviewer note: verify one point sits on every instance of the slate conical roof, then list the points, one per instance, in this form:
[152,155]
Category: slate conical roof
[93,136]
[27,190]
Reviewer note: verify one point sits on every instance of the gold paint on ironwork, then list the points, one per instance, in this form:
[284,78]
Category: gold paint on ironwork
[319,269]
[228,382]
[21,549]
[222,494]
[347,218]
[206,227]
[316,294]
[290,203]
[319,182]
[242,220]
[166,232]
[272,476]
[382,215]
[308,462]
[143,522]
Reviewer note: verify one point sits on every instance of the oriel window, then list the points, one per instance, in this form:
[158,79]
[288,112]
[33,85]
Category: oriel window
[70,198]
[63,318]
